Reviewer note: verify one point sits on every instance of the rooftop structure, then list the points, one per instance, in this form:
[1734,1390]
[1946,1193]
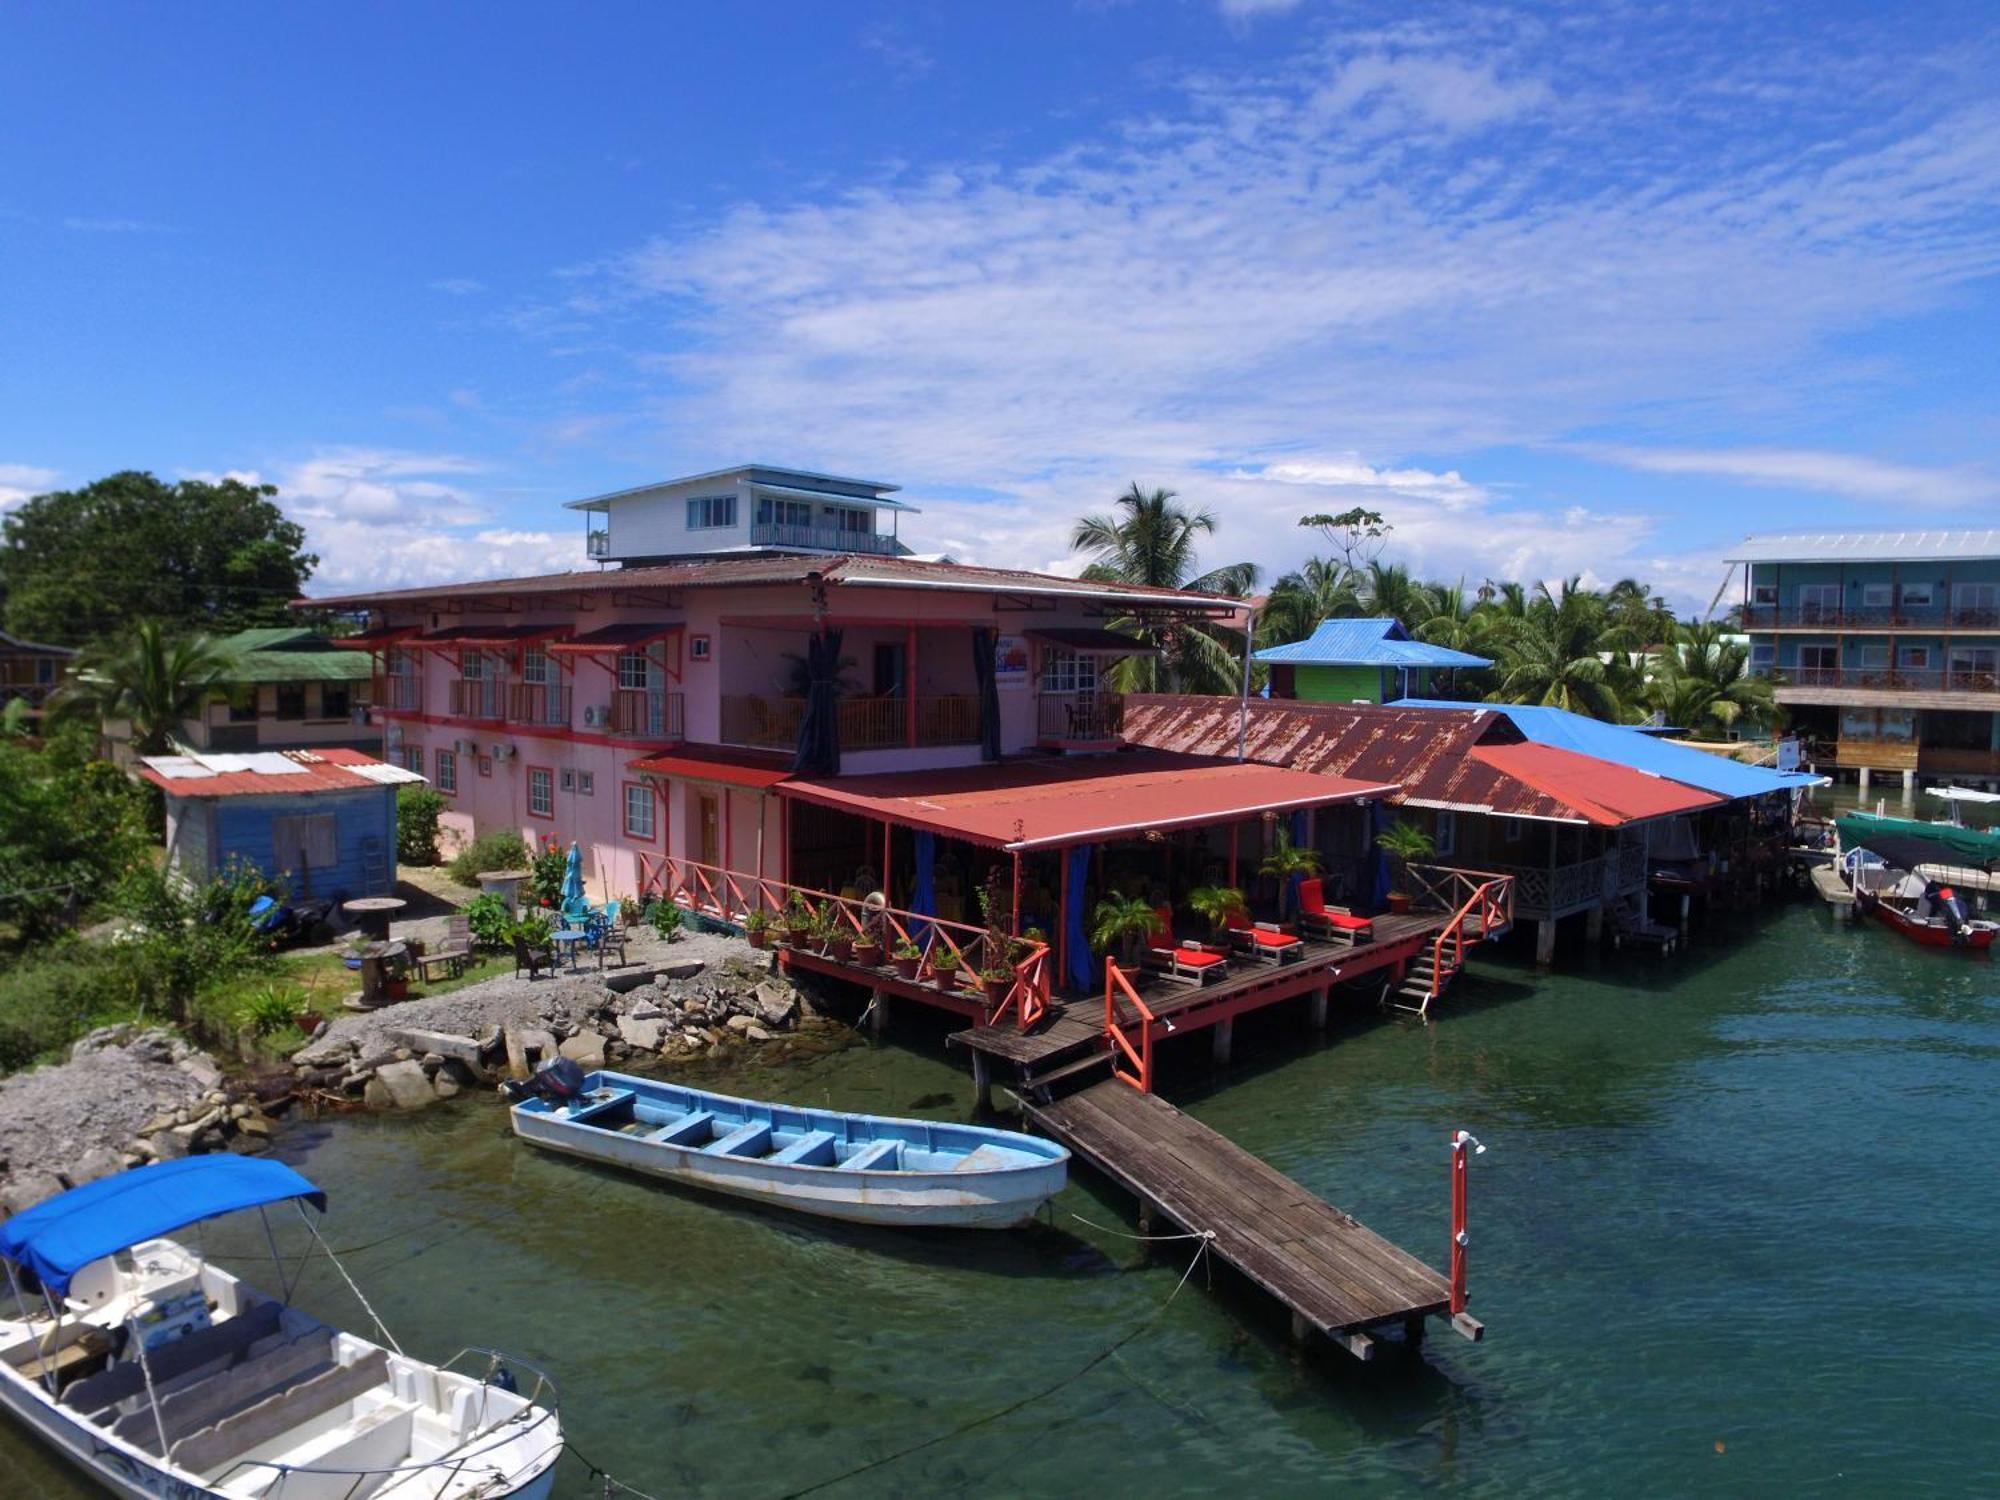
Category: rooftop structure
[1969,545]
[750,508]
[1359,661]
[30,670]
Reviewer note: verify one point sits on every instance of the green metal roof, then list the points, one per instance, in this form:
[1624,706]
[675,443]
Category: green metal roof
[286,653]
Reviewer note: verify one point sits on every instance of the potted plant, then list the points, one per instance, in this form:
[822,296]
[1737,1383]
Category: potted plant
[995,980]
[1216,904]
[907,957]
[868,943]
[1289,862]
[798,921]
[944,968]
[1403,842]
[1121,922]
[839,934]
[757,928]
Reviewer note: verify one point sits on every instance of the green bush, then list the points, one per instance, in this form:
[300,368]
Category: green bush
[418,809]
[551,864]
[666,918]
[49,1000]
[270,1009]
[491,923]
[535,931]
[185,938]
[504,850]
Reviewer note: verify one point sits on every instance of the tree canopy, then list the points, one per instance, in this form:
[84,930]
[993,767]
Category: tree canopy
[154,680]
[79,565]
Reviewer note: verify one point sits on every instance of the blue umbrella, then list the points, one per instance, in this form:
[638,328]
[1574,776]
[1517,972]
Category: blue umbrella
[572,887]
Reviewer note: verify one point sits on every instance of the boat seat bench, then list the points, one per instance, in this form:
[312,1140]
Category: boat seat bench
[750,1139]
[226,1341]
[591,1112]
[685,1131]
[813,1149]
[870,1157]
[210,1401]
[281,1412]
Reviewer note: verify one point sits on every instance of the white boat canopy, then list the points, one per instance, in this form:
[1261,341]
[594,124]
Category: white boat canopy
[1961,794]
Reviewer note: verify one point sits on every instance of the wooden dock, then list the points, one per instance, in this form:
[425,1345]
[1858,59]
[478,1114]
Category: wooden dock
[1332,1274]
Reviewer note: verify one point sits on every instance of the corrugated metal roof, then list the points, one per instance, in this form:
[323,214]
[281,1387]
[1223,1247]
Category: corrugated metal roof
[271,773]
[1107,642]
[718,763]
[1868,546]
[1642,752]
[740,572]
[1611,794]
[1367,643]
[1040,804]
[614,637]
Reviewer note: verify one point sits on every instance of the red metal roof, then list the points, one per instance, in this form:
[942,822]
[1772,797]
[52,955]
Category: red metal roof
[718,763]
[1034,804]
[485,635]
[1428,753]
[375,640]
[618,637]
[318,771]
[1604,791]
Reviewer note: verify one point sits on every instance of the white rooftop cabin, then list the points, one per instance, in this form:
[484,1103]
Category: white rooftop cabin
[755,508]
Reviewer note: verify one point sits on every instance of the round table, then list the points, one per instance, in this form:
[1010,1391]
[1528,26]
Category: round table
[372,914]
[570,937]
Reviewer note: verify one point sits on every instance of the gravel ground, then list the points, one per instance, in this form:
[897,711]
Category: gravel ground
[521,1001]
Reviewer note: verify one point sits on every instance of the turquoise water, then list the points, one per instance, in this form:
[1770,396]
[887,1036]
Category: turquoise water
[1733,1236]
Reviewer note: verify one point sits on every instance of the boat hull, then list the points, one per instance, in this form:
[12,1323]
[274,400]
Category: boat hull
[966,1196]
[1977,939]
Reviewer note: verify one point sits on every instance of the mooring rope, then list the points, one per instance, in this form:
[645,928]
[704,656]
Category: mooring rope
[612,1485]
[1123,1234]
[1200,1254]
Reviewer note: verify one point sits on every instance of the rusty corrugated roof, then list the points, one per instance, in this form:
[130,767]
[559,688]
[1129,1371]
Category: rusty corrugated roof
[1429,754]
[336,769]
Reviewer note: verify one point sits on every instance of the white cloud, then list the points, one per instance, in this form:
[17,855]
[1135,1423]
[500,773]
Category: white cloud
[1852,474]
[20,482]
[458,286]
[1400,91]
[1347,471]
[1238,10]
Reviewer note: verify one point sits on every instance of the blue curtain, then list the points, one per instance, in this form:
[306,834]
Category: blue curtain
[1082,963]
[923,897]
[1378,862]
[1290,899]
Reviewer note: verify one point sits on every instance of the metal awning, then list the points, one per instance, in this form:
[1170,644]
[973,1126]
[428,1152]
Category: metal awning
[1609,795]
[1094,642]
[744,768]
[475,637]
[375,640]
[1048,804]
[626,635]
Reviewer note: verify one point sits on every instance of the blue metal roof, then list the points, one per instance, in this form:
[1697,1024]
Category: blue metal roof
[1367,643]
[58,1238]
[1642,752]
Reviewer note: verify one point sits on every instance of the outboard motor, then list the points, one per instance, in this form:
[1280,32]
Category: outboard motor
[559,1081]
[1950,907]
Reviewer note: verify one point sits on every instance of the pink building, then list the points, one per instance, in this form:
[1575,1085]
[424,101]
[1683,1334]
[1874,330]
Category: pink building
[649,706]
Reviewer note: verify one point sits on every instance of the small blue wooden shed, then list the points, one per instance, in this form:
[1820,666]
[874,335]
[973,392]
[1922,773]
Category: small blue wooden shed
[322,822]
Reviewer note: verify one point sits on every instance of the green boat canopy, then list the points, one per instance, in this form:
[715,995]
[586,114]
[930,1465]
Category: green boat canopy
[1977,844]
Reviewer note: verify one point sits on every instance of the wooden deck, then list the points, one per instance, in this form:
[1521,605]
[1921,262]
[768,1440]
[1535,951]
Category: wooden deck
[1332,1273]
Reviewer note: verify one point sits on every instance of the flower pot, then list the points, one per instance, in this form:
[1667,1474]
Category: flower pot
[397,989]
[798,937]
[945,979]
[1398,901]
[840,949]
[996,989]
[307,1021]
[906,968]
[868,955]
[757,937]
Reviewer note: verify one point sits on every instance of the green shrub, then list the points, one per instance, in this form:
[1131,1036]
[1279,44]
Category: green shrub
[535,931]
[667,919]
[504,850]
[270,1009]
[549,867]
[49,1000]
[418,809]
[491,923]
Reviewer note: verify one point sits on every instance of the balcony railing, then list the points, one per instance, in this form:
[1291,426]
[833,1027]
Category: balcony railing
[400,692]
[1079,717]
[546,704]
[482,699]
[1870,617]
[1890,679]
[820,538]
[34,693]
[865,723]
[647,714]
[597,544]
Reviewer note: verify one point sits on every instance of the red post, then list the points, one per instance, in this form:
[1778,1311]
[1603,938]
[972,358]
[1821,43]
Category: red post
[1459,1141]
[1017,893]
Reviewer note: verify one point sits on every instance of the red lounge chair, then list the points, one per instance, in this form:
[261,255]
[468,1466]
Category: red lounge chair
[1266,942]
[1332,923]
[1189,962]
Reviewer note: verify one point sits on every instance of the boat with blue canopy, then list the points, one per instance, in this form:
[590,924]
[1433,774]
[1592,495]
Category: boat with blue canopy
[866,1169]
[163,1376]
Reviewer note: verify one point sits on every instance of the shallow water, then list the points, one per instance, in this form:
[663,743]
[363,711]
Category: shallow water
[1733,1236]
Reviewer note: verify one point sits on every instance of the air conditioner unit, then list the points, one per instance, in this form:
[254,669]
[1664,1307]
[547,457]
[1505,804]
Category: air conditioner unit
[596,715]
[392,737]
[359,715]
[502,752]
[465,747]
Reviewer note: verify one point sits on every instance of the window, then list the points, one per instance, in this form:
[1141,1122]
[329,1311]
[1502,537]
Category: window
[541,792]
[710,512]
[849,522]
[1763,656]
[1764,593]
[1446,837]
[447,776]
[1898,724]
[535,667]
[1876,595]
[1920,594]
[1976,603]
[45,671]
[1875,656]
[1819,601]
[639,818]
[291,700]
[1068,672]
[485,765]
[635,671]
[304,843]
[243,706]
[1511,830]
[698,647]
[797,513]
[1918,657]
[413,758]
[1819,658]
[473,667]
[333,702]
[586,784]
[568,779]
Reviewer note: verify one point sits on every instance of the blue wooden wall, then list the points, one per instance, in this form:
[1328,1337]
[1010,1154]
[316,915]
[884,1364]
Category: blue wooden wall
[241,828]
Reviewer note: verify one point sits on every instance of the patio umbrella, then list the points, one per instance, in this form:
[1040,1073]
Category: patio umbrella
[572,886]
[819,726]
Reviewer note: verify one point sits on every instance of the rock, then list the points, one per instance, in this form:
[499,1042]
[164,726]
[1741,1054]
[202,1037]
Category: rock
[586,1049]
[446,1086]
[326,1053]
[143,1152]
[99,1161]
[101,1039]
[645,1008]
[685,968]
[776,1003]
[739,1023]
[161,1121]
[167,1145]
[375,1094]
[440,1043]
[757,1033]
[644,1033]
[26,1191]
[517,1052]
[202,1069]
[405,1083]
[238,1111]
[256,1124]
[248,1145]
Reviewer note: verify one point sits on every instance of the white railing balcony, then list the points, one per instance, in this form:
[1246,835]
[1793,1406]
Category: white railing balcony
[546,704]
[647,714]
[820,538]
[482,699]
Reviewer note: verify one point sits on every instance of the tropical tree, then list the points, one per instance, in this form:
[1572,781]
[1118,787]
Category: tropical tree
[1704,684]
[1320,590]
[1150,539]
[1121,922]
[1554,654]
[153,680]
[1392,592]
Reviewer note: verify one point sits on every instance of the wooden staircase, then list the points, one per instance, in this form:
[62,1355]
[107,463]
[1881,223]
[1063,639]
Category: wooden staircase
[1486,912]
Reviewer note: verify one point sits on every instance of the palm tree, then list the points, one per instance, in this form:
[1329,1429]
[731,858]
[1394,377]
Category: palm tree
[1149,539]
[1122,922]
[1703,684]
[1392,593]
[154,681]
[1552,655]
[1300,602]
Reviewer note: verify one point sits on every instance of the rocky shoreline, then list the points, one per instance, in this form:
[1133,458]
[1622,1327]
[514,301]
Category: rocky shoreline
[129,1095]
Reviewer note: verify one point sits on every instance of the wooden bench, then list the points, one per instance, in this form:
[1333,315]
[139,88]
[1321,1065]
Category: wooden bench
[871,1158]
[813,1149]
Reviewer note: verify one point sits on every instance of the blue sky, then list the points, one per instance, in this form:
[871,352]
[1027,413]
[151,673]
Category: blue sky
[1560,289]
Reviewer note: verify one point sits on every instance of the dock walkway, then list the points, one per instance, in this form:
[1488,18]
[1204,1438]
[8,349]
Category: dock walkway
[1332,1273]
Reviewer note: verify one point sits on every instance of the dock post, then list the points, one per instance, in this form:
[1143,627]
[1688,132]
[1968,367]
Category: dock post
[1593,924]
[878,1012]
[1319,999]
[1687,906]
[1545,942]
[1225,1033]
[1909,785]
[982,1081]
[1864,781]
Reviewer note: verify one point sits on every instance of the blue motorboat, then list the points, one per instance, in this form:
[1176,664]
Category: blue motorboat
[867,1169]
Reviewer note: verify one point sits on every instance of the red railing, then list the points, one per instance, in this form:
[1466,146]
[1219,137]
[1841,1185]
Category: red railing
[1124,1052]
[733,895]
[1480,894]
